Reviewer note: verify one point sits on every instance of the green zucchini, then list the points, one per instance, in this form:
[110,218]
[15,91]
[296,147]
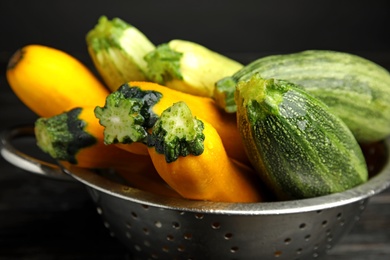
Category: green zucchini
[293,140]
[356,89]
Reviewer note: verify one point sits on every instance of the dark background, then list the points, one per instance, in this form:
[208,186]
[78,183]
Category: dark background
[45,219]
[267,26]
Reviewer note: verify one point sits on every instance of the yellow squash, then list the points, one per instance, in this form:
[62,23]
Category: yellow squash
[189,155]
[76,136]
[115,115]
[50,81]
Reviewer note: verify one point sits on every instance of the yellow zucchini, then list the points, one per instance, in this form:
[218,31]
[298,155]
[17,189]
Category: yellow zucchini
[76,136]
[189,155]
[50,81]
[130,112]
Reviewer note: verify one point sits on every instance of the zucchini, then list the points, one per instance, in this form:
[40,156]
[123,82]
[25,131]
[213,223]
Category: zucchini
[188,67]
[75,136]
[117,50]
[293,140]
[185,150]
[50,81]
[356,89]
[131,112]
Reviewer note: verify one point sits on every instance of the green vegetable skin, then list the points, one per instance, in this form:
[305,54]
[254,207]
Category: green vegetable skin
[126,115]
[63,135]
[299,148]
[117,50]
[189,67]
[357,90]
[177,133]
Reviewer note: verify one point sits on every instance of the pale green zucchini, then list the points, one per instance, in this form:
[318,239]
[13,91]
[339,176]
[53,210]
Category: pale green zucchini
[117,50]
[188,67]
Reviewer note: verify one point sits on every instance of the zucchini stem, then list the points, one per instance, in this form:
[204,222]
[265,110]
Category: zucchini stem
[177,133]
[63,135]
[126,115]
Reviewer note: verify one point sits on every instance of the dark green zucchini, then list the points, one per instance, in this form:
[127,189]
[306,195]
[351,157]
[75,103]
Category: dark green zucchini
[356,89]
[297,145]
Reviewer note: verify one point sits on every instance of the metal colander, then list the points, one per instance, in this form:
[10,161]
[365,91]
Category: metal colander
[157,227]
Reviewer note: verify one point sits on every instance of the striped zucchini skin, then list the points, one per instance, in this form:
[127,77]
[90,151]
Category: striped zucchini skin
[299,148]
[356,89]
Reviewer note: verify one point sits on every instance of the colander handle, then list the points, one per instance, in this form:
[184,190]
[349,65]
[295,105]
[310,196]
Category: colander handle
[24,161]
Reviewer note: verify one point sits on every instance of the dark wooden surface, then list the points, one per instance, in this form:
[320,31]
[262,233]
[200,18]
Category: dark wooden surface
[43,219]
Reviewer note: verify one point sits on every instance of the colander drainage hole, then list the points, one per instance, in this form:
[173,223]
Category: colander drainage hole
[287,241]
[278,253]
[99,210]
[170,238]
[228,236]
[199,216]
[216,225]
[234,249]
[175,225]
[137,247]
[134,215]
[181,248]
[302,226]
[187,236]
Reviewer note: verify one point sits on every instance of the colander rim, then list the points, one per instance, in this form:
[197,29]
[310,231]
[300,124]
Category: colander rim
[373,186]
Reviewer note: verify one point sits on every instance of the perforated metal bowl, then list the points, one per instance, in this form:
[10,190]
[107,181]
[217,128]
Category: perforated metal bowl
[157,227]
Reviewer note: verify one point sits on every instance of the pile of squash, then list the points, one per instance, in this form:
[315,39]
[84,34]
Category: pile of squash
[281,127]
